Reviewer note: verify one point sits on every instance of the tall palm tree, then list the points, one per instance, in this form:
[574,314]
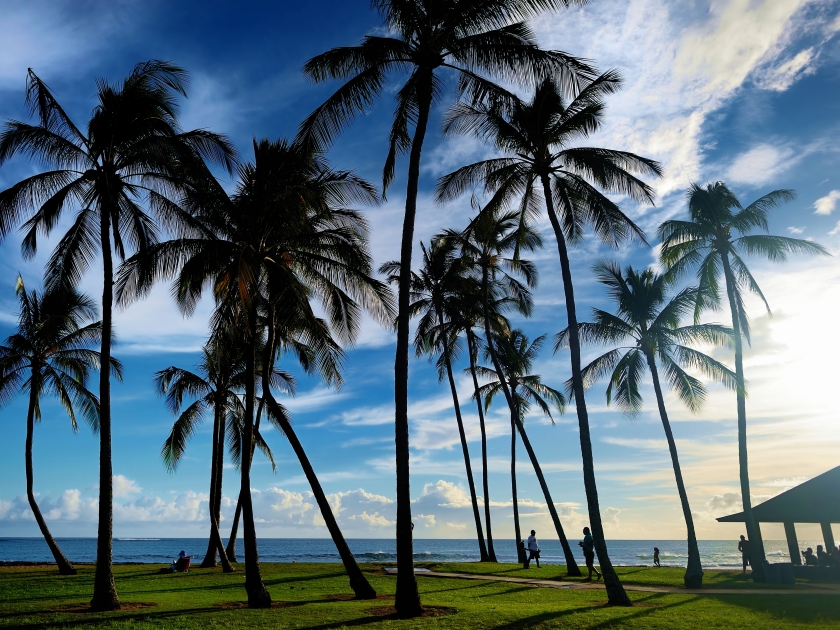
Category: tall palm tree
[49,355]
[650,322]
[468,38]
[215,388]
[516,358]
[285,234]
[537,138]
[714,240]
[133,153]
[434,292]
[492,244]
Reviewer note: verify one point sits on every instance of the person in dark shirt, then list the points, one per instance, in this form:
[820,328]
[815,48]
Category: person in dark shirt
[588,544]
[656,556]
[744,548]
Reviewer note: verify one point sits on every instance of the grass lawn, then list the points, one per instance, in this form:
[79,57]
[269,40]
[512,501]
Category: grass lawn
[317,596]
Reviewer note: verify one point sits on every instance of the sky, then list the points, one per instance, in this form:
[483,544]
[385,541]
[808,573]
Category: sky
[740,91]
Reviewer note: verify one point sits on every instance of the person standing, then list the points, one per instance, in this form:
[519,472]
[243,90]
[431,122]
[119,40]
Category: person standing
[588,544]
[533,548]
[656,556]
[744,548]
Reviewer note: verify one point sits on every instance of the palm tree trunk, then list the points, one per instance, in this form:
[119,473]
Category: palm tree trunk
[358,582]
[61,561]
[210,557]
[230,551]
[757,557]
[571,566]
[491,552]
[476,514]
[104,590]
[615,591]
[407,599]
[220,463]
[258,596]
[694,570]
[520,550]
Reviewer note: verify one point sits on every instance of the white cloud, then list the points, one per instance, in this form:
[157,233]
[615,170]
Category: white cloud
[836,230]
[826,205]
[760,165]
[781,77]
[125,487]
[795,230]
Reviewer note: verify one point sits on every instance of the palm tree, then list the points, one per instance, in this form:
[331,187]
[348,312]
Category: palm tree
[215,388]
[434,293]
[49,355]
[133,152]
[467,38]
[516,358]
[285,235]
[492,244]
[536,138]
[714,240]
[650,322]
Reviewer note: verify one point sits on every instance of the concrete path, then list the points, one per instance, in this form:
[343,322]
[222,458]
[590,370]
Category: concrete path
[827,589]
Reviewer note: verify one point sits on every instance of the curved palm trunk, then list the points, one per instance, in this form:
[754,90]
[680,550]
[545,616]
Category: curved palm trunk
[358,582]
[220,462]
[694,570]
[757,557]
[476,514]
[230,551]
[491,552]
[615,591]
[104,590]
[210,557]
[61,561]
[520,550]
[571,566]
[407,599]
[258,596]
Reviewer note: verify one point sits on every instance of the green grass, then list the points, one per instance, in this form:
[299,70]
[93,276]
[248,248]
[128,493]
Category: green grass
[315,596]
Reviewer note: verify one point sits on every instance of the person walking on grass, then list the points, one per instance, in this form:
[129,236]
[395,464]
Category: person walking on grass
[533,549]
[656,557]
[744,548]
[588,544]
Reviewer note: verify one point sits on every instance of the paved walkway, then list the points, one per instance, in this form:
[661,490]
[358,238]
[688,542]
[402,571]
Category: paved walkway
[827,589]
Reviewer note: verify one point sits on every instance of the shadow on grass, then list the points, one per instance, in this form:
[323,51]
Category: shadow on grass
[802,608]
[633,613]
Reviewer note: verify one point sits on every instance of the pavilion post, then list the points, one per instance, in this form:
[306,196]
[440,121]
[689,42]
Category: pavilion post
[793,544]
[828,537]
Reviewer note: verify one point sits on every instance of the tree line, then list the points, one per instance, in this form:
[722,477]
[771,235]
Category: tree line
[288,240]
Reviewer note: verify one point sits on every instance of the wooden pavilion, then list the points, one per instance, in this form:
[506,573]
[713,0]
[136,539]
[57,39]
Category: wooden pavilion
[815,501]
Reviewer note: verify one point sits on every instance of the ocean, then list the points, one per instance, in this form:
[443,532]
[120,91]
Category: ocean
[714,553]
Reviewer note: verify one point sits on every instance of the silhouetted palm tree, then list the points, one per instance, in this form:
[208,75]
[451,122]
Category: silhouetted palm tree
[650,322]
[285,237]
[714,241]
[133,152]
[491,244]
[516,358]
[468,38]
[536,138]
[434,291]
[216,388]
[49,355]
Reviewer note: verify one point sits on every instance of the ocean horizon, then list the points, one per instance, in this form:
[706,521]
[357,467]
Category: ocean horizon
[722,554]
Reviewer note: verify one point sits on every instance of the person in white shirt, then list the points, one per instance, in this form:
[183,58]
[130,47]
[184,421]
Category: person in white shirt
[533,548]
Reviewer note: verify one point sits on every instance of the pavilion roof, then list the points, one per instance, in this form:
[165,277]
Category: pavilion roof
[815,501]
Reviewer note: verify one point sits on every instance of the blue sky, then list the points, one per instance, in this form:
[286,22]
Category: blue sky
[743,91]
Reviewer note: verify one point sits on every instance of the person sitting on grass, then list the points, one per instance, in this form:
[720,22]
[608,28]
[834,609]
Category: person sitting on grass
[182,564]
[588,544]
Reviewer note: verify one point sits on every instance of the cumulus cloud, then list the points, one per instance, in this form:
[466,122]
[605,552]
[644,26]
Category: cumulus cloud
[795,230]
[125,487]
[826,205]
